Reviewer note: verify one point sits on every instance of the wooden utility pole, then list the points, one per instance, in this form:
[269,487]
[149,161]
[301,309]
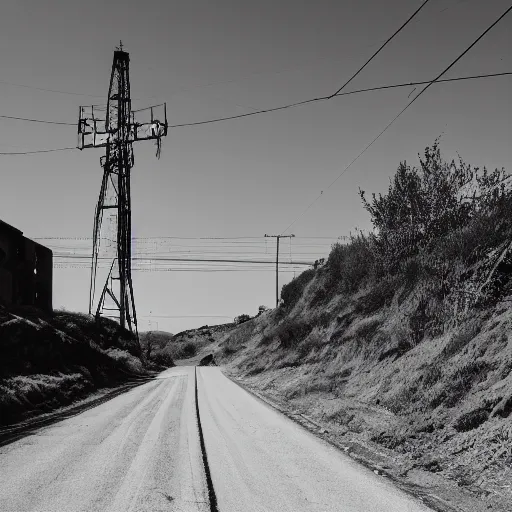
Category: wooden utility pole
[277,262]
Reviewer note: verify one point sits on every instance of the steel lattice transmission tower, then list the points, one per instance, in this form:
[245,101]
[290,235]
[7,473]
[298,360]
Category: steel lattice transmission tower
[115,127]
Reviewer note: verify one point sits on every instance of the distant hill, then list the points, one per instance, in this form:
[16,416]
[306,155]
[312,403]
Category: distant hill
[187,344]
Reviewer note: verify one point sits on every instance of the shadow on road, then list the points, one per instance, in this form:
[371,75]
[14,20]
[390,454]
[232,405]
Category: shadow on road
[25,428]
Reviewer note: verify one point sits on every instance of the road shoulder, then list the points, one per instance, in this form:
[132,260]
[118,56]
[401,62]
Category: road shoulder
[433,490]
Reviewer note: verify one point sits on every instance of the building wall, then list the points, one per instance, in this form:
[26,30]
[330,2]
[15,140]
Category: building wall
[26,270]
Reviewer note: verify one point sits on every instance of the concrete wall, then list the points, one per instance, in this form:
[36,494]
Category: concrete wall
[26,270]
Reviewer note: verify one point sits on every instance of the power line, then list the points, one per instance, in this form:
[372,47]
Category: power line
[189,238]
[186,88]
[403,110]
[394,86]
[37,120]
[161,258]
[322,98]
[177,269]
[37,151]
[184,316]
[263,111]
[50,90]
[325,98]
[380,49]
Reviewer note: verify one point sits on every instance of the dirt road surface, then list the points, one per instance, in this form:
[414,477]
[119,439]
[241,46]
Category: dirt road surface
[141,451]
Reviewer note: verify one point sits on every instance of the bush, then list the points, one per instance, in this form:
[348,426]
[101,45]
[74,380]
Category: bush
[163,359]
[314,340]
[379,295]
[292,291]
[242,318]
[262,309]
[349,264]
[425,205]
[130,363]
[239,335]
[188,350]
[471,420]
[292,332]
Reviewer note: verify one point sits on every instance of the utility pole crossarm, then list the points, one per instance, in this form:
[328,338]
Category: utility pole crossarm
[278,237]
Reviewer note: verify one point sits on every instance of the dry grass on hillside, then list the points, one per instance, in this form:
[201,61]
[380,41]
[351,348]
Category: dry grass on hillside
[402,337]
[52,360]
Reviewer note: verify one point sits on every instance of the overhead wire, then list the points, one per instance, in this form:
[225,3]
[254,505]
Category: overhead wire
[189,238]
[50,90]
[322,98]
[161,258]
[325,98]
[37,120]
[388,40]
[37,151]
[401,112]
[197,86]
[262,111]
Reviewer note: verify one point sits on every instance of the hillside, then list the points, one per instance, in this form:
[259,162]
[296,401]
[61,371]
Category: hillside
[191,344]
[49,361]
[401,345]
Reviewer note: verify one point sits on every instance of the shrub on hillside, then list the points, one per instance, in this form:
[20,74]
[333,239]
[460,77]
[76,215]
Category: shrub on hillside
[188,350]
[162,358]
[426,204]
[292,332]
[292,291]
[350,264]
[238,336]
[130,363]
[262,309]
[443,226]
[313,341]
[105,332]
[379,295]
[242,319]
[366,328]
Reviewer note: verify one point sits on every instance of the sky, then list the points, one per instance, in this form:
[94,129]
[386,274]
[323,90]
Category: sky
[240,179]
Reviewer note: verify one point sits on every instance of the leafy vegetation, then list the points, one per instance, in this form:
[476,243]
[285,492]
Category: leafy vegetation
[444,226]
[242,318]
[292,291]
